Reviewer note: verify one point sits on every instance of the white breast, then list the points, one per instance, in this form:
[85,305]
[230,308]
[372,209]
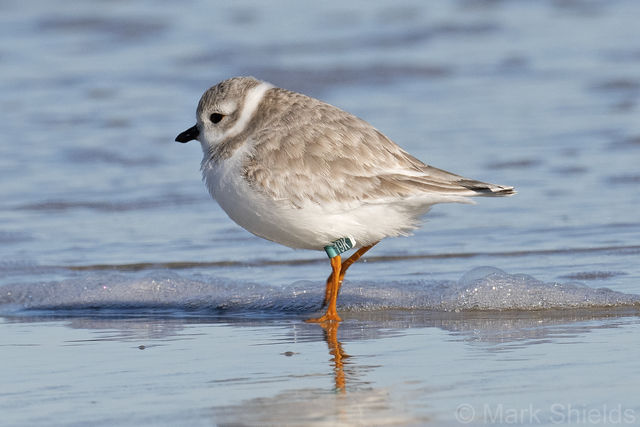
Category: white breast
[310,227]
[253,210]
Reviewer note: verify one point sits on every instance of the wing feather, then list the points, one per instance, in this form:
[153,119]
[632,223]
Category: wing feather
[312,152]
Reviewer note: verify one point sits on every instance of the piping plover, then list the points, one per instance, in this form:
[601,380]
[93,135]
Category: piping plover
[305,174]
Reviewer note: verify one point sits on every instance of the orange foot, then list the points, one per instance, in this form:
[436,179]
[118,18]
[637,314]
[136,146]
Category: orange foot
[327,317]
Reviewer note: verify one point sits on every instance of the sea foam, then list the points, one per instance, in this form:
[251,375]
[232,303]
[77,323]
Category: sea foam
[484,288]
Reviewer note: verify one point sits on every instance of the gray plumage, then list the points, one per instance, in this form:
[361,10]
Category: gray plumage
[308,150]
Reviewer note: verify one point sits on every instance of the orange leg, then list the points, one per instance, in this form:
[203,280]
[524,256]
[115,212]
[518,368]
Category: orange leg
[332,313]
[343,270]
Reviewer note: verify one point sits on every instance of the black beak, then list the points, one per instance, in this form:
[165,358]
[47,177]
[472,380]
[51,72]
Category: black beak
[189,134]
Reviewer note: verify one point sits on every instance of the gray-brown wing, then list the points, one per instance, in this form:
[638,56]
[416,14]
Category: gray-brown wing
[315,152]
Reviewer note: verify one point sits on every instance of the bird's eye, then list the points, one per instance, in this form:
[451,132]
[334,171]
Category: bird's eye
[216,117]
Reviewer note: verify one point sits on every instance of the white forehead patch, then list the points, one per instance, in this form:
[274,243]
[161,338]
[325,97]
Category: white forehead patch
[227,107]
[251,101]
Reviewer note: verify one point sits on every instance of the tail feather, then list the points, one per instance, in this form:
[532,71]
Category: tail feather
[485,189]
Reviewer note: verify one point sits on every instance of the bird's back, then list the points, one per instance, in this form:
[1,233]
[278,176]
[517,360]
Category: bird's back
[312,152]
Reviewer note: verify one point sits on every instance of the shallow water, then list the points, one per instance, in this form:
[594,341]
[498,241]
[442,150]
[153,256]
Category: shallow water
[109,242]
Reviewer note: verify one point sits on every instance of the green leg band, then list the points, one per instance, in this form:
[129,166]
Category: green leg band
[339,246]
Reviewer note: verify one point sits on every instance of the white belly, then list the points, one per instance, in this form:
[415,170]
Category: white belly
[254,211]
[309,227]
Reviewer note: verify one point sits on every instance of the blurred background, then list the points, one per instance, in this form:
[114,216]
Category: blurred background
[540,95]
[127,297]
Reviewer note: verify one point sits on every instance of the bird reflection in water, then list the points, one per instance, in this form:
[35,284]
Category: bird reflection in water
[336,350]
